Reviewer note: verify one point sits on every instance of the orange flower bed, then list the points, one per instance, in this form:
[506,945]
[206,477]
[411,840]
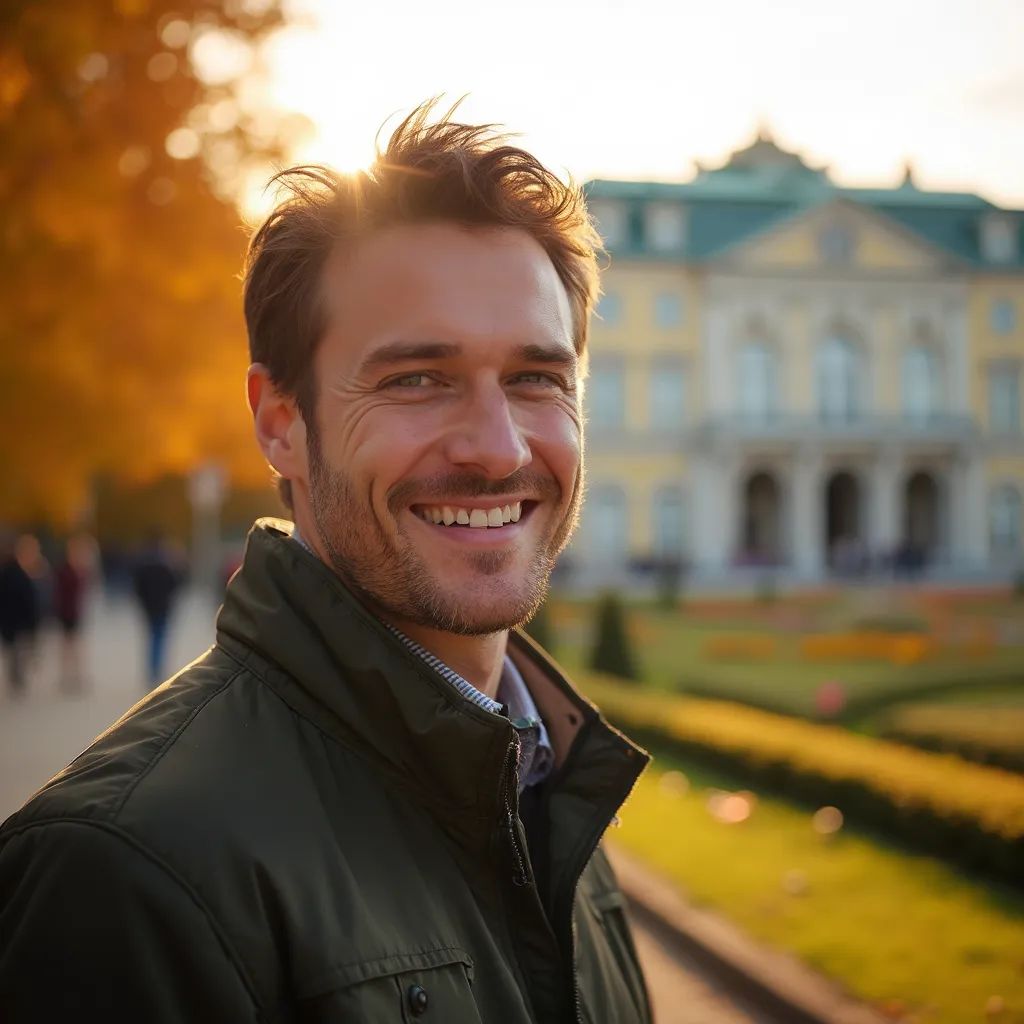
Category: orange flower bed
[898,648]
[741,647]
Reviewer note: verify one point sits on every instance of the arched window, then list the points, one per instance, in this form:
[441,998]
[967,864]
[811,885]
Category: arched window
[757,381]
[922,382]
[840,376]
[1005,509]
[669,522]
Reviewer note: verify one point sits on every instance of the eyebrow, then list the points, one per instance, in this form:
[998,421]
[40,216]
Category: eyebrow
[409,351]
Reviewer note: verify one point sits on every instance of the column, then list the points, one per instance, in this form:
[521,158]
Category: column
[714,505]
[968,513]
[808,520]
[885,531]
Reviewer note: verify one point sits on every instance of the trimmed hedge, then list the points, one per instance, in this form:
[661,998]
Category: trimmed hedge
[988,735]
[966,813]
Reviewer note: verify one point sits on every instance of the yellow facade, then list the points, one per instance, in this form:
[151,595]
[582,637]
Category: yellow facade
[890,293]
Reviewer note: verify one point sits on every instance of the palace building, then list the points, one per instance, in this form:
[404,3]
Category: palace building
[787,373]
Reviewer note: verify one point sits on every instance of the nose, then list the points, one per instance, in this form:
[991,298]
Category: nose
[486,437]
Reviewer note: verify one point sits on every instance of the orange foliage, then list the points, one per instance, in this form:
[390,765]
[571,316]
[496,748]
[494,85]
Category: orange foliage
[122,344]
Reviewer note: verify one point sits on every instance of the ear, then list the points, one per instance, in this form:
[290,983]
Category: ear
[280,429]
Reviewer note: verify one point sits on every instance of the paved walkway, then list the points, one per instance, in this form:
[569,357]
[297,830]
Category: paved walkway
[45,729]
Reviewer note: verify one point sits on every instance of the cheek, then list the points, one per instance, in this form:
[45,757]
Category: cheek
[384,446]
[557,440]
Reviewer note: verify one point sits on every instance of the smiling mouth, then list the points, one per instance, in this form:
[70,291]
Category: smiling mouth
[485,517]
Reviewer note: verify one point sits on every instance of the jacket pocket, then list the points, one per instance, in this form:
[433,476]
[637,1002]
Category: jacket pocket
[412,988]
[609,910]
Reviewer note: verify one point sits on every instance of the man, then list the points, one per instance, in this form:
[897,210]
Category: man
[374,799]
[157,580]
[19,614]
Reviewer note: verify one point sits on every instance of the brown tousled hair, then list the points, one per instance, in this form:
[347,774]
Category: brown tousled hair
[431,170]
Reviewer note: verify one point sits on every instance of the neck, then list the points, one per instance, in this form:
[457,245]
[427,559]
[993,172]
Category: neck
[478,659]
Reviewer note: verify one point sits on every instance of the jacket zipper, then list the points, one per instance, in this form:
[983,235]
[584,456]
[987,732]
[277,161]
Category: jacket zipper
[520,877]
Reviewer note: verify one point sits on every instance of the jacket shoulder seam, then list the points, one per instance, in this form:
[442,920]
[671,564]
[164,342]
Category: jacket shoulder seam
[230,952]
[167,744]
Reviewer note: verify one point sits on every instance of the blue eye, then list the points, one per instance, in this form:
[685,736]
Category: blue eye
[400,381]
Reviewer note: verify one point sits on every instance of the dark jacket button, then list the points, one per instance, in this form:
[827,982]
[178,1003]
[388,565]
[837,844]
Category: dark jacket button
[417,997]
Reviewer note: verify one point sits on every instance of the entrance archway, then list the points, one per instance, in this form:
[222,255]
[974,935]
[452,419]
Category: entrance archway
[762,520]
[921,516]
[844,547]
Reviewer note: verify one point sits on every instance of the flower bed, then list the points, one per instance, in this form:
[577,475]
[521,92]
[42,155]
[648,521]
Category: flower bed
[967,813]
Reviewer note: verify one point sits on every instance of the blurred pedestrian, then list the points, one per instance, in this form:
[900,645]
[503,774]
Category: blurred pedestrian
[29,553]
[70,584]
[19,615]
[157,578]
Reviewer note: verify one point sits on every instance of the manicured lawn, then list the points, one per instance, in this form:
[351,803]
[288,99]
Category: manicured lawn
[901,931]
[675,650]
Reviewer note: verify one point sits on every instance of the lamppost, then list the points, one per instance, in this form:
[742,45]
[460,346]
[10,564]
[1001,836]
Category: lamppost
[206,486]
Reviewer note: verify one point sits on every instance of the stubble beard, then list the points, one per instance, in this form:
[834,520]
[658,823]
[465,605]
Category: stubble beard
[394,578]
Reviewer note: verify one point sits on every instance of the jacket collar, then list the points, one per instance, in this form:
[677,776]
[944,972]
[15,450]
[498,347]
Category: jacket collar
[293,621]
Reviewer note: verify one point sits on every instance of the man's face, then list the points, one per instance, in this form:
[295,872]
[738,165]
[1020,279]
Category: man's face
[446,388]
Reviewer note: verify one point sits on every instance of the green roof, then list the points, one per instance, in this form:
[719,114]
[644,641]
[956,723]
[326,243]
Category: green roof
[762,185]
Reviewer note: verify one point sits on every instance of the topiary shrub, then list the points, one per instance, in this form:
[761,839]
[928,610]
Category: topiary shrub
[611,652]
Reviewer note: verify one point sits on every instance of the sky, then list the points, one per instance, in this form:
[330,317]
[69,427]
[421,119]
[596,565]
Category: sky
[641,89]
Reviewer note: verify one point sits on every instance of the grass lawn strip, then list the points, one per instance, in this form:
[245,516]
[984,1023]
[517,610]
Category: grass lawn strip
[901,931]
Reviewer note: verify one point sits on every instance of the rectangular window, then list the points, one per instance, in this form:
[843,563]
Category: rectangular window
[668,309]
[667,394]
[1003,316]
[612,221]
[999,236]
[1004,400]
[664,227]
[606,396]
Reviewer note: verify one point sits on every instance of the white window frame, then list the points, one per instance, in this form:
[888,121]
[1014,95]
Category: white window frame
[999,242]
[668,310]
[668,536]
[666,393]
[1002,316]
[611,217]
[664,226]
[757,381]
[1005,514]
[603,411]
[922,381]
[1004,420]
[840,375]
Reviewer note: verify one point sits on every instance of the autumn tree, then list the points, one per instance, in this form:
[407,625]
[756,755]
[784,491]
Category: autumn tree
[125,131]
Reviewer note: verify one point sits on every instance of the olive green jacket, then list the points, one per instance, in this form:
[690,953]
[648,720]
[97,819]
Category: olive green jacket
[311,824]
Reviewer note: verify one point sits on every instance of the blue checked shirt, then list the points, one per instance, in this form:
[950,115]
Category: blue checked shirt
[536,755]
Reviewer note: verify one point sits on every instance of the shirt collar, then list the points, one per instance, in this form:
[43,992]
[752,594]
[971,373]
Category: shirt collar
[536,754]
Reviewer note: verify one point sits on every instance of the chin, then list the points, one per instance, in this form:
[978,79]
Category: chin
[487,612]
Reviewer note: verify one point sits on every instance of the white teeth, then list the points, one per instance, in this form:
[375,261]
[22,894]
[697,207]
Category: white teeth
[476,517]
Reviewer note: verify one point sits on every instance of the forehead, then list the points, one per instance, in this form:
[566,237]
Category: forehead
[447,283]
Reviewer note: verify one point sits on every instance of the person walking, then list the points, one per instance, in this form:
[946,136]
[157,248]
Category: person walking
[19,615]
[70,583]
[156,579]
